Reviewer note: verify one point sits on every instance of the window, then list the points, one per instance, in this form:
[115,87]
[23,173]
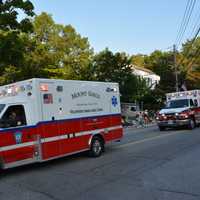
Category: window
[181,103]
[133,109]
[195,103]
[2,106]
[14,116]
[59,88]
[191,103]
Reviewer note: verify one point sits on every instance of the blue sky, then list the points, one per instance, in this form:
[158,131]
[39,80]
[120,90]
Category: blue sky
[132,26]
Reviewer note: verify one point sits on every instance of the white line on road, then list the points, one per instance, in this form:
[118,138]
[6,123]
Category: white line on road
[145,140]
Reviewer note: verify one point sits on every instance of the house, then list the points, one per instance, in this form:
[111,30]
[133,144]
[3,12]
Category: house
[150,77]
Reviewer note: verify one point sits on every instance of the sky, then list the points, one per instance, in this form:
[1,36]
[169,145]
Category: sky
[131,26]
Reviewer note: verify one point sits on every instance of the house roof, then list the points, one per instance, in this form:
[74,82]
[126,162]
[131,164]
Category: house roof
[142,69]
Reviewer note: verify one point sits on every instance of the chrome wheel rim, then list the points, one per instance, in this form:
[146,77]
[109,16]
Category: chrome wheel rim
[97,147]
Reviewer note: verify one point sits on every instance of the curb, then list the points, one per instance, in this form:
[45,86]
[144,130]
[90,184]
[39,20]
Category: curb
[136,127]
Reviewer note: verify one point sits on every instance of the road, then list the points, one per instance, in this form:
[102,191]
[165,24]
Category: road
[147,164]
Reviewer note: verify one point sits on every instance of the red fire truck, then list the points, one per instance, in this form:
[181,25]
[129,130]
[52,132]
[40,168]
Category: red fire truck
[182,109]
[43,119]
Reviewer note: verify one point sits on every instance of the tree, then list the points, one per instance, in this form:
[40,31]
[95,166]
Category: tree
[9,10]
[138,60]
[116,68]
[11,44]
[11,49]
[69,53]
[190,62]
[162,63]
[50,51]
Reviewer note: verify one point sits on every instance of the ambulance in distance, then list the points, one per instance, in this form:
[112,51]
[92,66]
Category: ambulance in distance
[44,119]
[182,109]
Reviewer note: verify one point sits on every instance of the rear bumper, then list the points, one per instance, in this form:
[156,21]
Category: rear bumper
[174,123]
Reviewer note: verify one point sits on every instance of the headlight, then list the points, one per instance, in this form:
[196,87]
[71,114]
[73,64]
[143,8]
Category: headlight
[182,115]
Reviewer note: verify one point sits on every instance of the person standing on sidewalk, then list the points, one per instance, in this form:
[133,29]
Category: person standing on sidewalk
[146,117]
[141,119]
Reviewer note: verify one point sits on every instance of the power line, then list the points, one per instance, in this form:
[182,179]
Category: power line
[195,57]
[185,21]
[197,28]
[191,46]
[196,24]
[184,24]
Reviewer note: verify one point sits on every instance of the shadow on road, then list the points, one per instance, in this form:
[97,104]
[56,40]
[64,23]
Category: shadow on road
[52,164]
[43,165]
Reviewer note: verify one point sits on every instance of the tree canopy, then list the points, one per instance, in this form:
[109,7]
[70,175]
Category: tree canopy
[108,66]
[9,10]
[36,46]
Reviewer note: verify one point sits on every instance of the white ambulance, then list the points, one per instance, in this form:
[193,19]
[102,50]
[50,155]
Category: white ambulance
[182,109]
[43,119]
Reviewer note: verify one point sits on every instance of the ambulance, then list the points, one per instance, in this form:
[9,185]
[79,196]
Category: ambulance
[44,119]
[182,110]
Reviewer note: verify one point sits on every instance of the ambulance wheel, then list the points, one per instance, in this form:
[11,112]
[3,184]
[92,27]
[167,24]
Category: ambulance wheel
[191,124]
[97,147]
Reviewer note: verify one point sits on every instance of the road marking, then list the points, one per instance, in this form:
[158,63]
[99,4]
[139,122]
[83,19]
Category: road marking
[145,140]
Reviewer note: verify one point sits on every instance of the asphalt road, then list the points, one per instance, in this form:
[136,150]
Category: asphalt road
[147,164]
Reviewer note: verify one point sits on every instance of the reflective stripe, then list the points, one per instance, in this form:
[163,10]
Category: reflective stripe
[61,137]
[16,146]
[83,133]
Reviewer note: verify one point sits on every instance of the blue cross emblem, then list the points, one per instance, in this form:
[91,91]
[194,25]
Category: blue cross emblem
[18,137]
[114,101]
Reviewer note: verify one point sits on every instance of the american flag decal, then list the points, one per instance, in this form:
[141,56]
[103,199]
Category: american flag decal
[48,98]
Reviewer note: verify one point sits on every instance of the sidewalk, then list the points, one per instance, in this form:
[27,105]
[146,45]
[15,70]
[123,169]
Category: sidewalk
[139,126]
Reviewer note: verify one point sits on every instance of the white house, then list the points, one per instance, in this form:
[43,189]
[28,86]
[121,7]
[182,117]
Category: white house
[151,78]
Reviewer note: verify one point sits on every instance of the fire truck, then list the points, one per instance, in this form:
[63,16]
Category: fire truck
[182,109]
[44,119]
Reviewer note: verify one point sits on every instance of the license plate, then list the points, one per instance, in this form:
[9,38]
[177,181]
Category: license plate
[170,122]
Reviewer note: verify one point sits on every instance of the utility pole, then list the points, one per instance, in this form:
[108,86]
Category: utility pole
[175,68]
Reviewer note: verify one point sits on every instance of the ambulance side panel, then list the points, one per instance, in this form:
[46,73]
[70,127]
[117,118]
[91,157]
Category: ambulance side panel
[74,113]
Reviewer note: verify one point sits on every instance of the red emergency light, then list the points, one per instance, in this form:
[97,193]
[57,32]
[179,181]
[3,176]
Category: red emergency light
[44,87]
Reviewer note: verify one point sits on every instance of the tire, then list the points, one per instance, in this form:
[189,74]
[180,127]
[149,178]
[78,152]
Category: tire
[191,124]
[97,147]
[161,128]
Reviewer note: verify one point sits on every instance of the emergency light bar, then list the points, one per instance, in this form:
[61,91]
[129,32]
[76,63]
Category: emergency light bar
[192,93]
[14,90]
